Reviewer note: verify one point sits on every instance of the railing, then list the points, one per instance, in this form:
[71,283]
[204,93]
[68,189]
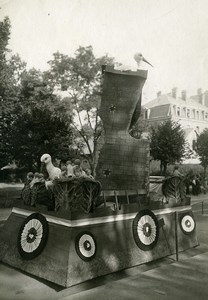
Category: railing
[115,194]
[202,204]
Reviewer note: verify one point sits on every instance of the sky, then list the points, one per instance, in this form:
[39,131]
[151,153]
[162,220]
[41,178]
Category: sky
[171,34]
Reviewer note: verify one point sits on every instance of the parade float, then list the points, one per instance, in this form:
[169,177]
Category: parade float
[103,225]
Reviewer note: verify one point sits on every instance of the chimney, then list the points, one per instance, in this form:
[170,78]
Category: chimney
[174,92]
[183,95]
[200,96]
[206,98]
[199,91]
[159,94]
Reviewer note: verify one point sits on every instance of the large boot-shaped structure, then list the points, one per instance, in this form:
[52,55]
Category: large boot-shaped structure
[123,161]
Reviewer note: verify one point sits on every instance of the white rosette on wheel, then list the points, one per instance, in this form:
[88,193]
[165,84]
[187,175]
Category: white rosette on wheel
[187,223]
[32,236]
[85,245]
[145,230]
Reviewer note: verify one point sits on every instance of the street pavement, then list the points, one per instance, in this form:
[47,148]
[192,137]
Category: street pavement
[162,279]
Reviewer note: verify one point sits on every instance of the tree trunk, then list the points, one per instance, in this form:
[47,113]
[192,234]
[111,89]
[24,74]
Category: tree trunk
[164,168]
[161,168]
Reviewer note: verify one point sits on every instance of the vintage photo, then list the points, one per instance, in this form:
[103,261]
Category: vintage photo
[103,149]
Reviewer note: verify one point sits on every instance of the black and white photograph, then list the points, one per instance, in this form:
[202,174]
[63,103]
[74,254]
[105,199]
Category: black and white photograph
[103,149]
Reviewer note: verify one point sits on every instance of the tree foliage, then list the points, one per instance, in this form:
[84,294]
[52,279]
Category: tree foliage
[167,143]
[6,87]
[35,132]
[33,120]
[141,127]
[79,77]
[4,39]
[41,124]
[202,148]
[36,117]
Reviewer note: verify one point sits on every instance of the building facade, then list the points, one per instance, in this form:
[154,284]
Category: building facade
[190,112]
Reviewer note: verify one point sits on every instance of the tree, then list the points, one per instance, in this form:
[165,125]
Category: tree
[140,127]
[79,78]
[36,131]
[41,123]
[32,119]
[4,39]
[202,149]
[7,90]
[167,144]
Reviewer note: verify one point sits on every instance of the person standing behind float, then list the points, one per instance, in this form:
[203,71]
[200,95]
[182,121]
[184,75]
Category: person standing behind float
[188,183]
[193,183]
[176,172]
[198,184]
[26,191]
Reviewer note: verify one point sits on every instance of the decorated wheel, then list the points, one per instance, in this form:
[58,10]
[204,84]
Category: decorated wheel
[85,245]
[32,236]
[145,230]
[187,223]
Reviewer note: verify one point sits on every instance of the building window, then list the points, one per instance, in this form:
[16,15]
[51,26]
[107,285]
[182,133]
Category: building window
[188,113]
[206,116]
[174,110]
[178,112]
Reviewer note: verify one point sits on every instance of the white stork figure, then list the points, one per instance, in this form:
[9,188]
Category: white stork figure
[53,171]
[138,57]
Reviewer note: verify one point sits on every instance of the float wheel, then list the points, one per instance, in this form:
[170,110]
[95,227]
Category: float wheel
[145,230]
[33,236]
[187,223]
[85,245]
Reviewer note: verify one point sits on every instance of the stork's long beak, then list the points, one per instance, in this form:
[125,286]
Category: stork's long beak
[147,62]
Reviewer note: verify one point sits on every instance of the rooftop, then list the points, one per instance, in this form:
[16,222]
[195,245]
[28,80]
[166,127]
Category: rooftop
[168,99]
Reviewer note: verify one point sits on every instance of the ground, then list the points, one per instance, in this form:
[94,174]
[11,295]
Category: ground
[162,279]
